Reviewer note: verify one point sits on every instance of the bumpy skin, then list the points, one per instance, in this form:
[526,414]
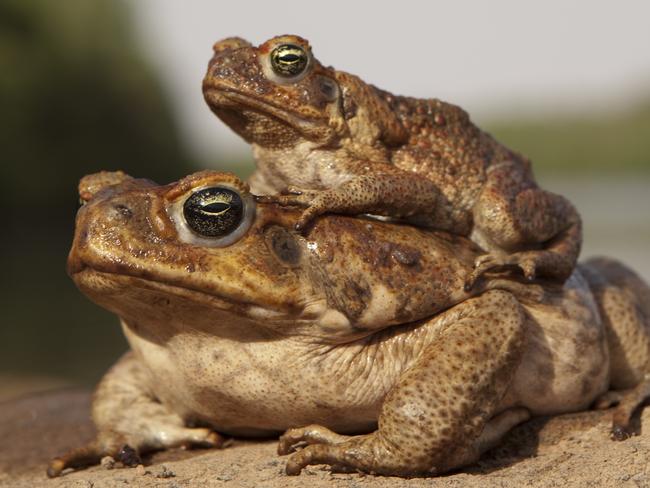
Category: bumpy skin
[354,338]
[340,145]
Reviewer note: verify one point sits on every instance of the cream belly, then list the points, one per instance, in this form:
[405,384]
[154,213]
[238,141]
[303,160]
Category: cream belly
[250,388]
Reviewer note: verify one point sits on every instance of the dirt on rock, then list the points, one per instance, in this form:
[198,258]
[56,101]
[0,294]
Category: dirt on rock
[566,451]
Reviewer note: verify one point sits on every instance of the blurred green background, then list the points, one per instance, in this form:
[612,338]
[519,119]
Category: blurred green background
[77,96]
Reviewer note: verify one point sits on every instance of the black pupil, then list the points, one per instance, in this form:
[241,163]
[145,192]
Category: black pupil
[288,60]
[216,208]
[213,212]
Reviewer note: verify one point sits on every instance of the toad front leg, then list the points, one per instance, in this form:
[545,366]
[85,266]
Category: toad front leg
[525,227]
[389,191]
[129,421]
[441,414]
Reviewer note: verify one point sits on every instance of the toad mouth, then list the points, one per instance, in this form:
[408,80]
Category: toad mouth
[230,99]
[102,284]
[88,278]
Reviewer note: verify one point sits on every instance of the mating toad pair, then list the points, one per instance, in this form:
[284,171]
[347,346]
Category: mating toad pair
[374,345]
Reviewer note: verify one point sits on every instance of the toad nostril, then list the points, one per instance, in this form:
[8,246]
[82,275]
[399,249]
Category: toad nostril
[122,210]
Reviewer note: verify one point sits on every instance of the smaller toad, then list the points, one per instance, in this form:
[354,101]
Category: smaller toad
[336,144]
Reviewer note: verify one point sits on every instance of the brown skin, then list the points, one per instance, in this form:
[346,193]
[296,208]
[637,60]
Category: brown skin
[337,144]
[357,327]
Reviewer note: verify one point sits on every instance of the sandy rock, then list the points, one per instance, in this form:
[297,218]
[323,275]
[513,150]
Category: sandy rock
[566,451]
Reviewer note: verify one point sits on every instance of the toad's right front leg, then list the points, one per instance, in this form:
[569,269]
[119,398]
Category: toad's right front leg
[130,420]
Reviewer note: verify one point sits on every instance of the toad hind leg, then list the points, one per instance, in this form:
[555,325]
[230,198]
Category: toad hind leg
[129,421]
[432,420]
[623,299]
[324,438]
[630,401]
[513,214]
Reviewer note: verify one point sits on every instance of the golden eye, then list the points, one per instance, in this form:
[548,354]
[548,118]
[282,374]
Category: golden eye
[213,212]
[213,216]
[289,60]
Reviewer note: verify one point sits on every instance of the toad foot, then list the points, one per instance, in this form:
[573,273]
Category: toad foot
[293,439]
[527,262]
[628,403]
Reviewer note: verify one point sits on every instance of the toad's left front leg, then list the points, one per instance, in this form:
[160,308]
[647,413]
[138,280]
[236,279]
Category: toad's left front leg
[131,420]
[390,192]
[441,414]
[525,227]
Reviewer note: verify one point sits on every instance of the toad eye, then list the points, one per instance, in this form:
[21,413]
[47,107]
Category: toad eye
[213,212]
[215,216]
[289,60]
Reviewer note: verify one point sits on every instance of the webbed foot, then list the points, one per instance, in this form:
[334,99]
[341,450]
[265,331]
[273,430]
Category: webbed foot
[290,197]
[293,439]
[629,402]
[625,403]
[315,202]
[91,454]
[116,447]
[357,453]
[526,261]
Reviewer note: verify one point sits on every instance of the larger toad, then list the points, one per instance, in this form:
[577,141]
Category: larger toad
[340,145]
[354,338]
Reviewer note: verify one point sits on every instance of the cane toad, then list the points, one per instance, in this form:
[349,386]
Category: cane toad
[354,338]
[337,144]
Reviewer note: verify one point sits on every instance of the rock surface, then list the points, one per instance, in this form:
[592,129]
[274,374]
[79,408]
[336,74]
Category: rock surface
[566,451]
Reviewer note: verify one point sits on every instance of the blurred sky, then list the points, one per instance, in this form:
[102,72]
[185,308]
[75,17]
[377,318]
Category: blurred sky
[495,58]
